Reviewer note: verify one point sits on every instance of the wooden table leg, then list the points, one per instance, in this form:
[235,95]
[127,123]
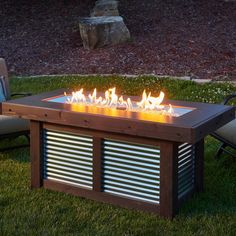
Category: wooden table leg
[97,164]
[169,180]
[35,154]
[199,166]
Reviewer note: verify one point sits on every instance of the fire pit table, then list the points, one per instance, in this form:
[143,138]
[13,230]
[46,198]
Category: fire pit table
[133,158]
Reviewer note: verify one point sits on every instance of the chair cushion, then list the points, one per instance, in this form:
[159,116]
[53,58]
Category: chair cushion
[228,132]
[10,125]
[2,90]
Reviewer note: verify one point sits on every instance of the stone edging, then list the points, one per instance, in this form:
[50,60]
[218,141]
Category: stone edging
[186,78]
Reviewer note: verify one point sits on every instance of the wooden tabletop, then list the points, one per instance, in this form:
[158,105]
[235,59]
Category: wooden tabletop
[191,127]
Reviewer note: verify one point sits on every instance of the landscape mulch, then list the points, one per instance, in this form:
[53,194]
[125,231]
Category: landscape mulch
[194,38]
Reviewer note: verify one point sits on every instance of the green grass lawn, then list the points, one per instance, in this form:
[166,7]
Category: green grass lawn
[44,212]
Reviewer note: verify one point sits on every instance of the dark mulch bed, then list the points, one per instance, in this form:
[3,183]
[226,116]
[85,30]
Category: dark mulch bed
[174,37]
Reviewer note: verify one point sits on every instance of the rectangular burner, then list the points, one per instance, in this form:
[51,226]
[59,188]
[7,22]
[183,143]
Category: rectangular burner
[177,110]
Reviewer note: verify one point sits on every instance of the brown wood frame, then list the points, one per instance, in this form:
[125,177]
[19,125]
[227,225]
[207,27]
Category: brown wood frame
[169,203]
[169,179]
[190,128]
[35,154]
[167,133]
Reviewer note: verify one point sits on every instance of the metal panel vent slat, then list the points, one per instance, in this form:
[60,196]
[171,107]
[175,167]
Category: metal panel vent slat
[131,170]
[186,156]
[68,158]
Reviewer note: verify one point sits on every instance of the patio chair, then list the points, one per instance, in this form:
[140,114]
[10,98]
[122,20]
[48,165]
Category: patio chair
[10,127]
[226,134]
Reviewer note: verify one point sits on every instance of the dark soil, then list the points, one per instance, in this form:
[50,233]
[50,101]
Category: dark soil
[169,37]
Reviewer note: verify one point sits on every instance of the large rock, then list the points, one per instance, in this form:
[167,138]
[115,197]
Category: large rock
[105,8]
[101,31]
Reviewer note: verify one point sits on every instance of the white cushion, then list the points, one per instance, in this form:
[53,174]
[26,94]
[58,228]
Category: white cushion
[10,124]
[228,132]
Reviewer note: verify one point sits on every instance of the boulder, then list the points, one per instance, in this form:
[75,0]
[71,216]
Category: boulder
[101,31]
[105,8]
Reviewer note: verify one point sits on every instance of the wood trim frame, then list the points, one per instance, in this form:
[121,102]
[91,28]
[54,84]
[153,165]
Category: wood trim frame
[104,134]
[96,193]
[35,154]
[190,128]
[168,206]
[101,196]
[169,179]
[97,164]
[199,166]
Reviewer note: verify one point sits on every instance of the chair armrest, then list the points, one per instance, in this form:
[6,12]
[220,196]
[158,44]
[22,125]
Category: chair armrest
[228,98]
[21,94]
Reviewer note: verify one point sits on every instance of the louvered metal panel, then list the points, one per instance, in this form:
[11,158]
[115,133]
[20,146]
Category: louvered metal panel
[185,169]
[131,170]
[68,158]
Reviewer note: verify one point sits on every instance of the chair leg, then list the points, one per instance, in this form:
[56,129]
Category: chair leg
[230,153]
[14,147]
[17,146]
[220,150]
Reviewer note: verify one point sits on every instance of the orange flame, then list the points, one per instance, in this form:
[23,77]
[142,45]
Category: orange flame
[151,103]
[112,100]
[171,111]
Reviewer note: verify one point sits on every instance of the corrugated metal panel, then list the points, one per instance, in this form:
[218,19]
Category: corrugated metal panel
[185,169]
[131,170]
[68,158]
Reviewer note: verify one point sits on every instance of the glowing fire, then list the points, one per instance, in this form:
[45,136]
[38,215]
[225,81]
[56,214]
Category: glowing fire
[112,100]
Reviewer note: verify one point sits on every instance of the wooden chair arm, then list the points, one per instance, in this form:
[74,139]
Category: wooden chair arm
[24,94]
